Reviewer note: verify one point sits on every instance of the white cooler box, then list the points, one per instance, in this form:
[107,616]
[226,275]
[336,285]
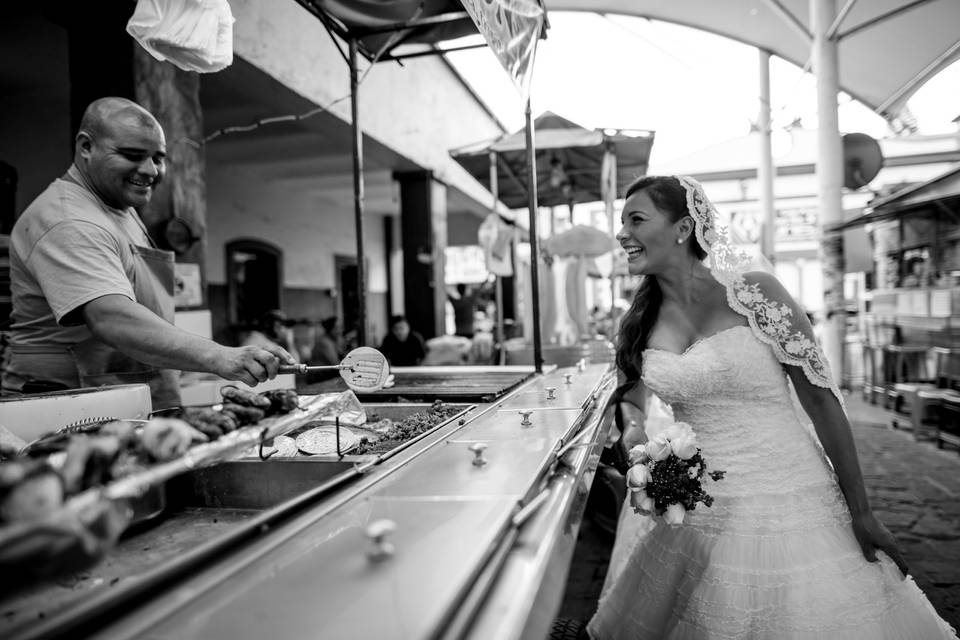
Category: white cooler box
[35,415]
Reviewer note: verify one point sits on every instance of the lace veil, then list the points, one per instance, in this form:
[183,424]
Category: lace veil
[754,292]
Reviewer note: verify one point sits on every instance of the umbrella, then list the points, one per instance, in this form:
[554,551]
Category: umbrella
[569,161]
[580,240]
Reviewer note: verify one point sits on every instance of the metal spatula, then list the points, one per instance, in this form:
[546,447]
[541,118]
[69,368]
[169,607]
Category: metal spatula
[364,369]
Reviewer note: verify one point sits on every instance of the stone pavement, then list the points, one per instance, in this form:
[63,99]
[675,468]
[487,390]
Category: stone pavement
[914,489]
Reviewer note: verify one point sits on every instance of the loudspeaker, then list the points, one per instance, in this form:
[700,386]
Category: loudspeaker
[862,160]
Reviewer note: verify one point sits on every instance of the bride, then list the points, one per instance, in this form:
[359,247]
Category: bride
[790,547]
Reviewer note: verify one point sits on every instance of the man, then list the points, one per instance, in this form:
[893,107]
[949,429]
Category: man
[402,347]
[464,310]
[92,294]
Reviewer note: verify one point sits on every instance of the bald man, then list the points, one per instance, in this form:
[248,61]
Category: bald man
[92,294]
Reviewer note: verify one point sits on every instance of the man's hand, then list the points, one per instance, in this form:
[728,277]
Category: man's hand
[251,364]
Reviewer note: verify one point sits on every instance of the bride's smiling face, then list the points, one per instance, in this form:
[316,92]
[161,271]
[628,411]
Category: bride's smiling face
[648,236]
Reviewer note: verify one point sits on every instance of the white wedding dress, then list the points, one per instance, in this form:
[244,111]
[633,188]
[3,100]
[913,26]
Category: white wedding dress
[775,556]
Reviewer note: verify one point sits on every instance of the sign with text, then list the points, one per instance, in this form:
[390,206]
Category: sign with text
[464,264]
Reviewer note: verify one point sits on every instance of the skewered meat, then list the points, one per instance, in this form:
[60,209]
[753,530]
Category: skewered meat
[236,395]
[243,415]
[210,423]
[88,462]
[124,430]
[281,401]
[169,438]
[29,490]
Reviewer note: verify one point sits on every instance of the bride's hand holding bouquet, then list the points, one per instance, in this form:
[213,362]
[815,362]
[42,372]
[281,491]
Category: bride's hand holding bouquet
[666,474]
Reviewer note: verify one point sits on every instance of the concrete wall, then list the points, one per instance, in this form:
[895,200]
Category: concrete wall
[310,223]
[421,109]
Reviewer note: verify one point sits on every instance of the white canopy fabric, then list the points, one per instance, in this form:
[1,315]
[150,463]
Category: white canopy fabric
[887,48]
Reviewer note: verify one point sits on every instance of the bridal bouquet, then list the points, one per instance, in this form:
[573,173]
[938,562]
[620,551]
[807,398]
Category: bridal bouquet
[667,473]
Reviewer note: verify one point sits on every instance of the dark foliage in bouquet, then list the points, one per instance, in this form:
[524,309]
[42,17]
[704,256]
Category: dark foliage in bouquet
[668,474]
[676,481]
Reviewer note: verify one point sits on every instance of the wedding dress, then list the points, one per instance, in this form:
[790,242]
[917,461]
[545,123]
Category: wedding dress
[775,556]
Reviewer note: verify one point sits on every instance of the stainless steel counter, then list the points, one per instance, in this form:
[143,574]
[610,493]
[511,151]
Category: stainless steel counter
[480,551]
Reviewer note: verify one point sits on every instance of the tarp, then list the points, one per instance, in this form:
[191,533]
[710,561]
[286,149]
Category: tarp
[511,29]
[379,27]
[887,48]
[562,146]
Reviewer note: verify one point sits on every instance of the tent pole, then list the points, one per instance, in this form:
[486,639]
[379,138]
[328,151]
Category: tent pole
[534,241]
[495,191]
[609,195]
[358,196]
[765,168]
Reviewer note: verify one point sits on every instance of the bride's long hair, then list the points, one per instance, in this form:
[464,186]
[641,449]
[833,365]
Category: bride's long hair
[670,197]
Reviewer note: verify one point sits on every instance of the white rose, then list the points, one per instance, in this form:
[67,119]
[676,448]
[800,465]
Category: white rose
[674,514]
[638,476]
[637,455]
[640,500]
[684,447]
[658,448]
[677,429]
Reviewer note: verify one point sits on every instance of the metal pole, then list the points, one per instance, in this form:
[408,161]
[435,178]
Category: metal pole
[829,179]
[765,169]
[534,241]
[495,191]
[610,194]
[358,197]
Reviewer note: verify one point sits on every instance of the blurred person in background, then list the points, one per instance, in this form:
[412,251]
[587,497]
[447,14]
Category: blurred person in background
[402,346]
[273,329]
[464,304]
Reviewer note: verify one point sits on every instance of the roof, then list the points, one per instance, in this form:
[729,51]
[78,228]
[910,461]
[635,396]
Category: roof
[946,186]
[574,150]
[887,48]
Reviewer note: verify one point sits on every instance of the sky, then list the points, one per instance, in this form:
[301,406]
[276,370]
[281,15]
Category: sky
[693,88]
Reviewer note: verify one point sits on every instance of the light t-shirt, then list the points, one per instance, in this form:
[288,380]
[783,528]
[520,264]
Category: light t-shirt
[66,249]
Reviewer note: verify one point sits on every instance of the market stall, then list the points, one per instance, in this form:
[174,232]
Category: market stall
[465,529]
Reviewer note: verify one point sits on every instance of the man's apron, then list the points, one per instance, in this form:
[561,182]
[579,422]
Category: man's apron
[99,364]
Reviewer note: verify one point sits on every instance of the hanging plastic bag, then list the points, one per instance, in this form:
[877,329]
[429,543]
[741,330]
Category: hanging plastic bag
[195,35]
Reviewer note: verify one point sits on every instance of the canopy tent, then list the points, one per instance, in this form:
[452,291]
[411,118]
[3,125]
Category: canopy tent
[573,165]
[887,48]
[567,154]
[376,28]
[880,52]
[380,26]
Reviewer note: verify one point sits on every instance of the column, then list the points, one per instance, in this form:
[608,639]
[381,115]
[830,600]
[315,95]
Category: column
[423,236]
[829,179]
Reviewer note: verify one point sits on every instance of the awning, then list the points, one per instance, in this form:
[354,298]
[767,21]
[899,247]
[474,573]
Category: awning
[381,26]
[887,48]
[565,150]
[943,190]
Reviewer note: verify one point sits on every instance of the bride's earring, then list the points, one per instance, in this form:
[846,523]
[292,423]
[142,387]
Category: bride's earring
[679,240]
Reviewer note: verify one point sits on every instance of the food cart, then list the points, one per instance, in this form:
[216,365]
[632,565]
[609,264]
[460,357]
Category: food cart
[465,530]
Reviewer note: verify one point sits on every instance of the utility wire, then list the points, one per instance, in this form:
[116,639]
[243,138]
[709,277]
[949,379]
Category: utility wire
[256,124]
